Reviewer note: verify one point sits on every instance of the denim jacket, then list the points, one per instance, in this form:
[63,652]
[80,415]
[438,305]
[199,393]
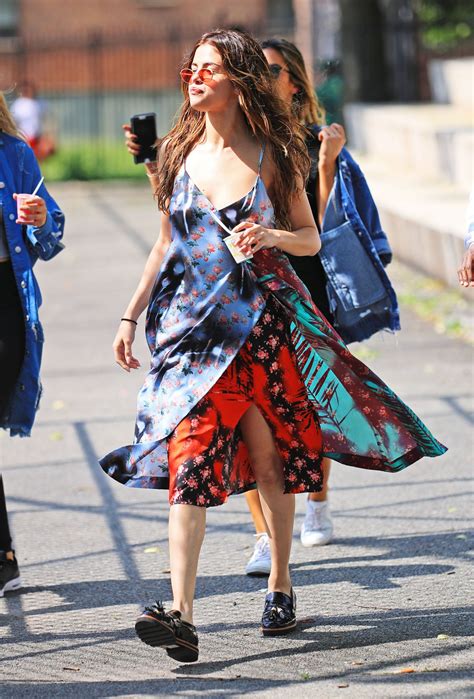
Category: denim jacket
[354,253]
[19,172]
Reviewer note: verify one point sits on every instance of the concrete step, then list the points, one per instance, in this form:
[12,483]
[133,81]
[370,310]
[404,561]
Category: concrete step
[452,81]
[425,221]
[433,140]
[462,159]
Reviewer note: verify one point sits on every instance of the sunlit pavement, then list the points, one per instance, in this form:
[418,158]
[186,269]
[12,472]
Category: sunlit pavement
[383,609]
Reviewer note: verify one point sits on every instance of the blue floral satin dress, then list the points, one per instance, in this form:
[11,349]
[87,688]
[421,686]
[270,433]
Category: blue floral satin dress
[202,309]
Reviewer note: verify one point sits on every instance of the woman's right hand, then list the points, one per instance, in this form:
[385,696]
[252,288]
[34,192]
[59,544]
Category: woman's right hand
[130,140]
[122,346]
[134,149]
[466,270]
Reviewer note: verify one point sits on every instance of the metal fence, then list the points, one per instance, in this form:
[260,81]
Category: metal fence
[91,86]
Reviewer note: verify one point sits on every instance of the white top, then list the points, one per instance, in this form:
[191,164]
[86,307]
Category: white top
[28,113]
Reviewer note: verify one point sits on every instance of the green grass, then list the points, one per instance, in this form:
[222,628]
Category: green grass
[91,161]
[364,353]
[450,312]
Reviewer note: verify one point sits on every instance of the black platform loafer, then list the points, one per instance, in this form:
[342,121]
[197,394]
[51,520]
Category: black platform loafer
[279,613]
[167,630]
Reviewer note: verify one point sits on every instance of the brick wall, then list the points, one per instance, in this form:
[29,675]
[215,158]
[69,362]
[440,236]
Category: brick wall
[77,19]
[101,45]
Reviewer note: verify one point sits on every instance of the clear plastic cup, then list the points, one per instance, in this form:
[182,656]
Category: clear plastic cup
[236,253]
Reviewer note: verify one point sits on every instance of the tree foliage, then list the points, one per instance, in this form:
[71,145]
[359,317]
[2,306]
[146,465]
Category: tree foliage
[446,23]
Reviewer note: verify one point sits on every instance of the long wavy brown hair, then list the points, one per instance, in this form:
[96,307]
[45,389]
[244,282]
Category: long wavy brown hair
[267,117]
[305,104]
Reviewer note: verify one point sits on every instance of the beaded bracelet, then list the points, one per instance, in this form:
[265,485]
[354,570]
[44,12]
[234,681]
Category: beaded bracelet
[129,320]
[153,171]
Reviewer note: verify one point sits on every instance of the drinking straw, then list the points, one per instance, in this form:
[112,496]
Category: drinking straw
[38,186]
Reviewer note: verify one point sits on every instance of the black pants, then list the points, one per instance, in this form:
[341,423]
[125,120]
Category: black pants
[5,536]
[311,272]
[12,351]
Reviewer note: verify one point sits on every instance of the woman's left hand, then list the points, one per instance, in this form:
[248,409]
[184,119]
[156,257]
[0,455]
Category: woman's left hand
[332,139]
[254,237]
[32,211]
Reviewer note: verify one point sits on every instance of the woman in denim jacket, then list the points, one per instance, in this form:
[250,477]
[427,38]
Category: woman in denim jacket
[35,234]
[347,279]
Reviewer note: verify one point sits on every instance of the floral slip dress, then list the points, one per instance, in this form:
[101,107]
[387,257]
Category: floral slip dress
[206,315]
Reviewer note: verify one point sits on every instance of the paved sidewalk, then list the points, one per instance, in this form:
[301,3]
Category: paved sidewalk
[383,610]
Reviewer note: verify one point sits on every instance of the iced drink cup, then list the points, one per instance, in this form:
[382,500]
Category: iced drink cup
[236,253]
[21,200]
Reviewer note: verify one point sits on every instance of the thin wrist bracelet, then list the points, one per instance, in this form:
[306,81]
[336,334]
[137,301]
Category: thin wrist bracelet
[129,320]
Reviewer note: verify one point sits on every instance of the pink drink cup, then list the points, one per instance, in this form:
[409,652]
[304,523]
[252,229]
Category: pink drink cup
[21,199]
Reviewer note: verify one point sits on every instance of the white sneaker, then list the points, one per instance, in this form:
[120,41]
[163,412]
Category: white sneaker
[261,561]
[317,527]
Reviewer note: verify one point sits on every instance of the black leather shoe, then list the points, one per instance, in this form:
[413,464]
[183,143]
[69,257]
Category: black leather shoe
[279,613]
[156,627]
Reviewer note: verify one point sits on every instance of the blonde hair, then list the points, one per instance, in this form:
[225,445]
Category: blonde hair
[305,105]
[7,123]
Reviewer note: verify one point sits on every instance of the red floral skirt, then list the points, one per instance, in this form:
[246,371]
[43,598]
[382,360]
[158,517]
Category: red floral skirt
[207,457]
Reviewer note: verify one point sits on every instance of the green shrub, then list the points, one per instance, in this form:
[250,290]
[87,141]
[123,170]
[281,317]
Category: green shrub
[91,161]
[446,23]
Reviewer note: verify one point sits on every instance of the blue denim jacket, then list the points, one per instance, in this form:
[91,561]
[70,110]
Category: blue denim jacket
[19,172]
[354,253]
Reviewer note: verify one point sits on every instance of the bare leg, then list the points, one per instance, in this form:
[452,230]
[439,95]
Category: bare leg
[323,494]
[187,525]
[256,512]
[278,507]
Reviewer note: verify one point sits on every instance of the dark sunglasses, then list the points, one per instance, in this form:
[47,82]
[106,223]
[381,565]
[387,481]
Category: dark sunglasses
[204,74]
[275,69]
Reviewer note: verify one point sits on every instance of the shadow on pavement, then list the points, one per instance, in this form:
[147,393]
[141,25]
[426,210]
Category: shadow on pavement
[375,628]
[442,545]
[107,593]
[365,572]
[188,686]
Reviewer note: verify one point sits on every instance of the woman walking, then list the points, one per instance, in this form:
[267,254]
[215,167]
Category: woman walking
[248,385]
[29,231]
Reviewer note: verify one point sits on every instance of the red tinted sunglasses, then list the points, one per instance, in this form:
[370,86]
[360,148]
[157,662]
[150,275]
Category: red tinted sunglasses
[204,74]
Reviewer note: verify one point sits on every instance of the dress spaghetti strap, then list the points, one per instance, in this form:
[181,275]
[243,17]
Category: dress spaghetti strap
[260,160]
[259,176]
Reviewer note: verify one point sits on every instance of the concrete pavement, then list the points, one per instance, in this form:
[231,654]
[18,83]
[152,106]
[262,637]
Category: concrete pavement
[384,610]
